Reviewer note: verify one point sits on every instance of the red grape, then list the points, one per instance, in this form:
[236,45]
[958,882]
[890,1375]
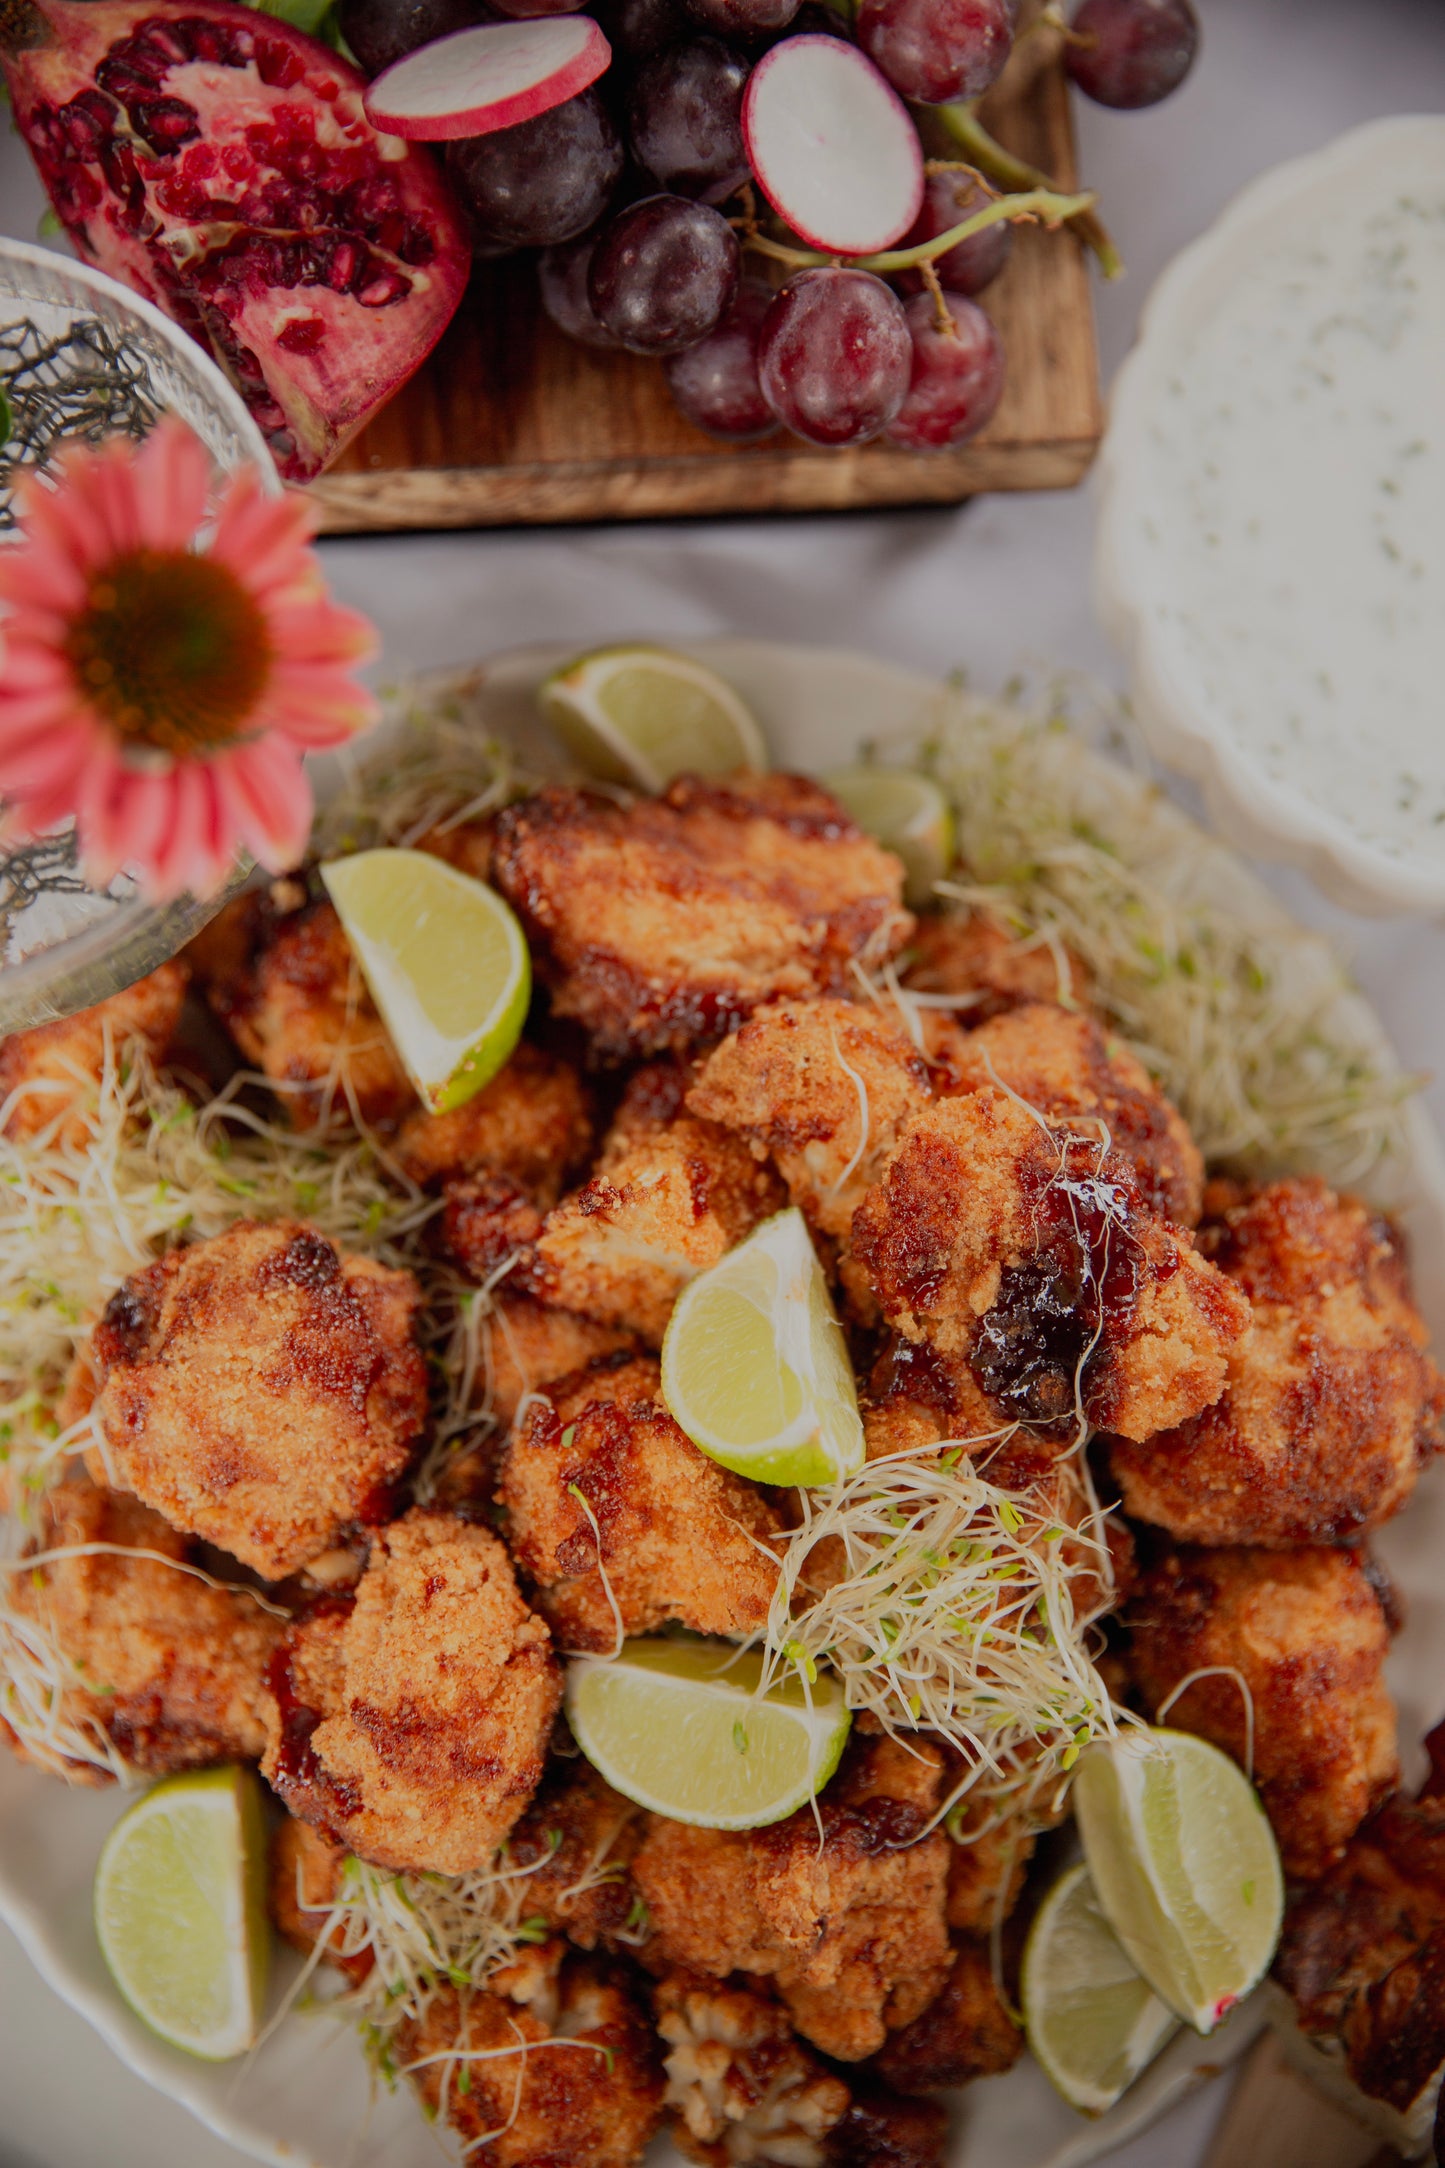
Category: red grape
[969,266]
[639,28]
[956,380]
[937,50]
[834,355]
[1140,50]
[526,8]
[684,118]
[562,281]
[544,180]
[663,272]
[743,19]
[715,383]
[381,31]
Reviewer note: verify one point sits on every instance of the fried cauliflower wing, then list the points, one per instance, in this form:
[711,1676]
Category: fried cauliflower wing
[532,1123]
[991,964]
[1038,1260]
[529,1345]
[305,1883]
[851,1933]
[1332,1405]
[562,2073]
[411,1723]
[164,1668]
[602,1482]
[986,1875]
[50,1076]
[663,923]
[823,1088]
[741,2087]
[965,2033]
[1307,1633]
[669,1196]
[261,1390]
[575,1845]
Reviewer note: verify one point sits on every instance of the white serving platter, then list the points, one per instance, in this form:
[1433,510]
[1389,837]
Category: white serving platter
[305,2100]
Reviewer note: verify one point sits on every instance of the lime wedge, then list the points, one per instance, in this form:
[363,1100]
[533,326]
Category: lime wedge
[680,1727]
[642,715]
[446,963]
[1185,1865]
[908,814]
[754,1365]
[1092,2023]
[180,1910]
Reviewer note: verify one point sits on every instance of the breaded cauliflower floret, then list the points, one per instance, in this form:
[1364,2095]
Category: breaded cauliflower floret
[575,1845]
[412,1722]
[591,2100]
[993,965]
[965,2033]
[669,1196]
[1308,1634]
[665,922]
[55,1069]
[262,1390]
[307,1868]
[824,1088]
[884,2129]
[532,1123]
[604,1466]
[529,1345]
[741,2087]
[1063,1065]
[852,1933]
[165,1668]
[986,1875]
[1037,1259]
[1332,1405]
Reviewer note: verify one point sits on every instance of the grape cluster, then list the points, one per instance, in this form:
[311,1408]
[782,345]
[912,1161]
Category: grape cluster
[637,195]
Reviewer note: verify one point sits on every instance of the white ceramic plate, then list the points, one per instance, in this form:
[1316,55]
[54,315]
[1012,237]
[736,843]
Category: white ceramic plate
[1280,548]
[306,2098]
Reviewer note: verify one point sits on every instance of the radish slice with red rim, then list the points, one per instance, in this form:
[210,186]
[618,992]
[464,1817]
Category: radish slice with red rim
[494,75]
[832,146]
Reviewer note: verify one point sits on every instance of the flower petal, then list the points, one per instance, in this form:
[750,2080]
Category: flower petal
[265,539]
[50,760]
[36,574]
[172,483]
[270,795]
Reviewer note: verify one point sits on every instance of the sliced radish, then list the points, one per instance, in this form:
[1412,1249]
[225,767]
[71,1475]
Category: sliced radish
[492,76]
[832,145]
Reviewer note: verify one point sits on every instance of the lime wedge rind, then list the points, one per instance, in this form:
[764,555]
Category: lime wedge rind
[640,714]
[909,814]
[1093,2023]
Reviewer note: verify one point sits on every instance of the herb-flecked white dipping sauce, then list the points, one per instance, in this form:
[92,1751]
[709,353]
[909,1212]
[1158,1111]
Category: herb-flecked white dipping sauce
[1298,453]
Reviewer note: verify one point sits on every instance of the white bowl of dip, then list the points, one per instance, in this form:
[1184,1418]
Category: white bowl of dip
[1271,551]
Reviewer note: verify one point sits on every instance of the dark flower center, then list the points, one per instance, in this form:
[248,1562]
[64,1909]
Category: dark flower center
[172,651]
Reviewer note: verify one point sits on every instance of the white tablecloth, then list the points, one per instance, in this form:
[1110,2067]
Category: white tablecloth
[997,583]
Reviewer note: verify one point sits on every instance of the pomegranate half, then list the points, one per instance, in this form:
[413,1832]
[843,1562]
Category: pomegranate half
[221,164]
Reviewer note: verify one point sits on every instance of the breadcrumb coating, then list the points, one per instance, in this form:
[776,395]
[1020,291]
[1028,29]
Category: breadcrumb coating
[488,1226]
[532,1123]
[54,1071]
[663,923]
[412,1722]
[529,1345]
[1037,1259]
[824,1089]
[741,2087]
[166,1668]
[669,1196]
[576,1842]
[851,1932]
[977,954]
[589,2098]
[1332,1406]
[884,2129]
[305,1883]
[965,2033]
[604,1467]
[986,1875]
[262,1390]
[1307,1632]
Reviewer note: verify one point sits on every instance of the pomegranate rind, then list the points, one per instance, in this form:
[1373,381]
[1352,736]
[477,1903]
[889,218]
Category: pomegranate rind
[832,146]
[222,165]
[491,76]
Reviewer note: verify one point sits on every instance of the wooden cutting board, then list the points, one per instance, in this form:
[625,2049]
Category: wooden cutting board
[510,422]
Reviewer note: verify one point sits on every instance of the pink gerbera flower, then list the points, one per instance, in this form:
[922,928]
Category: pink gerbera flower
[159,691]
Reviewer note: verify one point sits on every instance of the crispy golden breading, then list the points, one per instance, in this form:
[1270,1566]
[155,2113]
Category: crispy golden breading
[488,1227]
[262,1390]
[305,1883]
[166,1668]
[1063,1065]
[288,989]
[592,2100]
[575,1843]
[1362,1953]
[966,2031]
[467,845]
[680,1537]
[741,2087]
[986,1875]
[47,1072]
[412,1722]
[1039,1261]
[1332,1405]
[823,1088]
[669,1196]
[1308,1634]
[533,1123]
[852,1934]
[665,922]
[529,1345]
[884,2129]
[977,953]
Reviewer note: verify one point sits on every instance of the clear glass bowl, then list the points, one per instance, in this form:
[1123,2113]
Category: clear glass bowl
[80,355]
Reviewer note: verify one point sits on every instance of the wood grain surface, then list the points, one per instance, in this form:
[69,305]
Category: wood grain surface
[510,422]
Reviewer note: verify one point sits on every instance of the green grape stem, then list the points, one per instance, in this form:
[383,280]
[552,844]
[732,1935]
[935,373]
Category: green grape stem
[966,130]
[1032,203]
